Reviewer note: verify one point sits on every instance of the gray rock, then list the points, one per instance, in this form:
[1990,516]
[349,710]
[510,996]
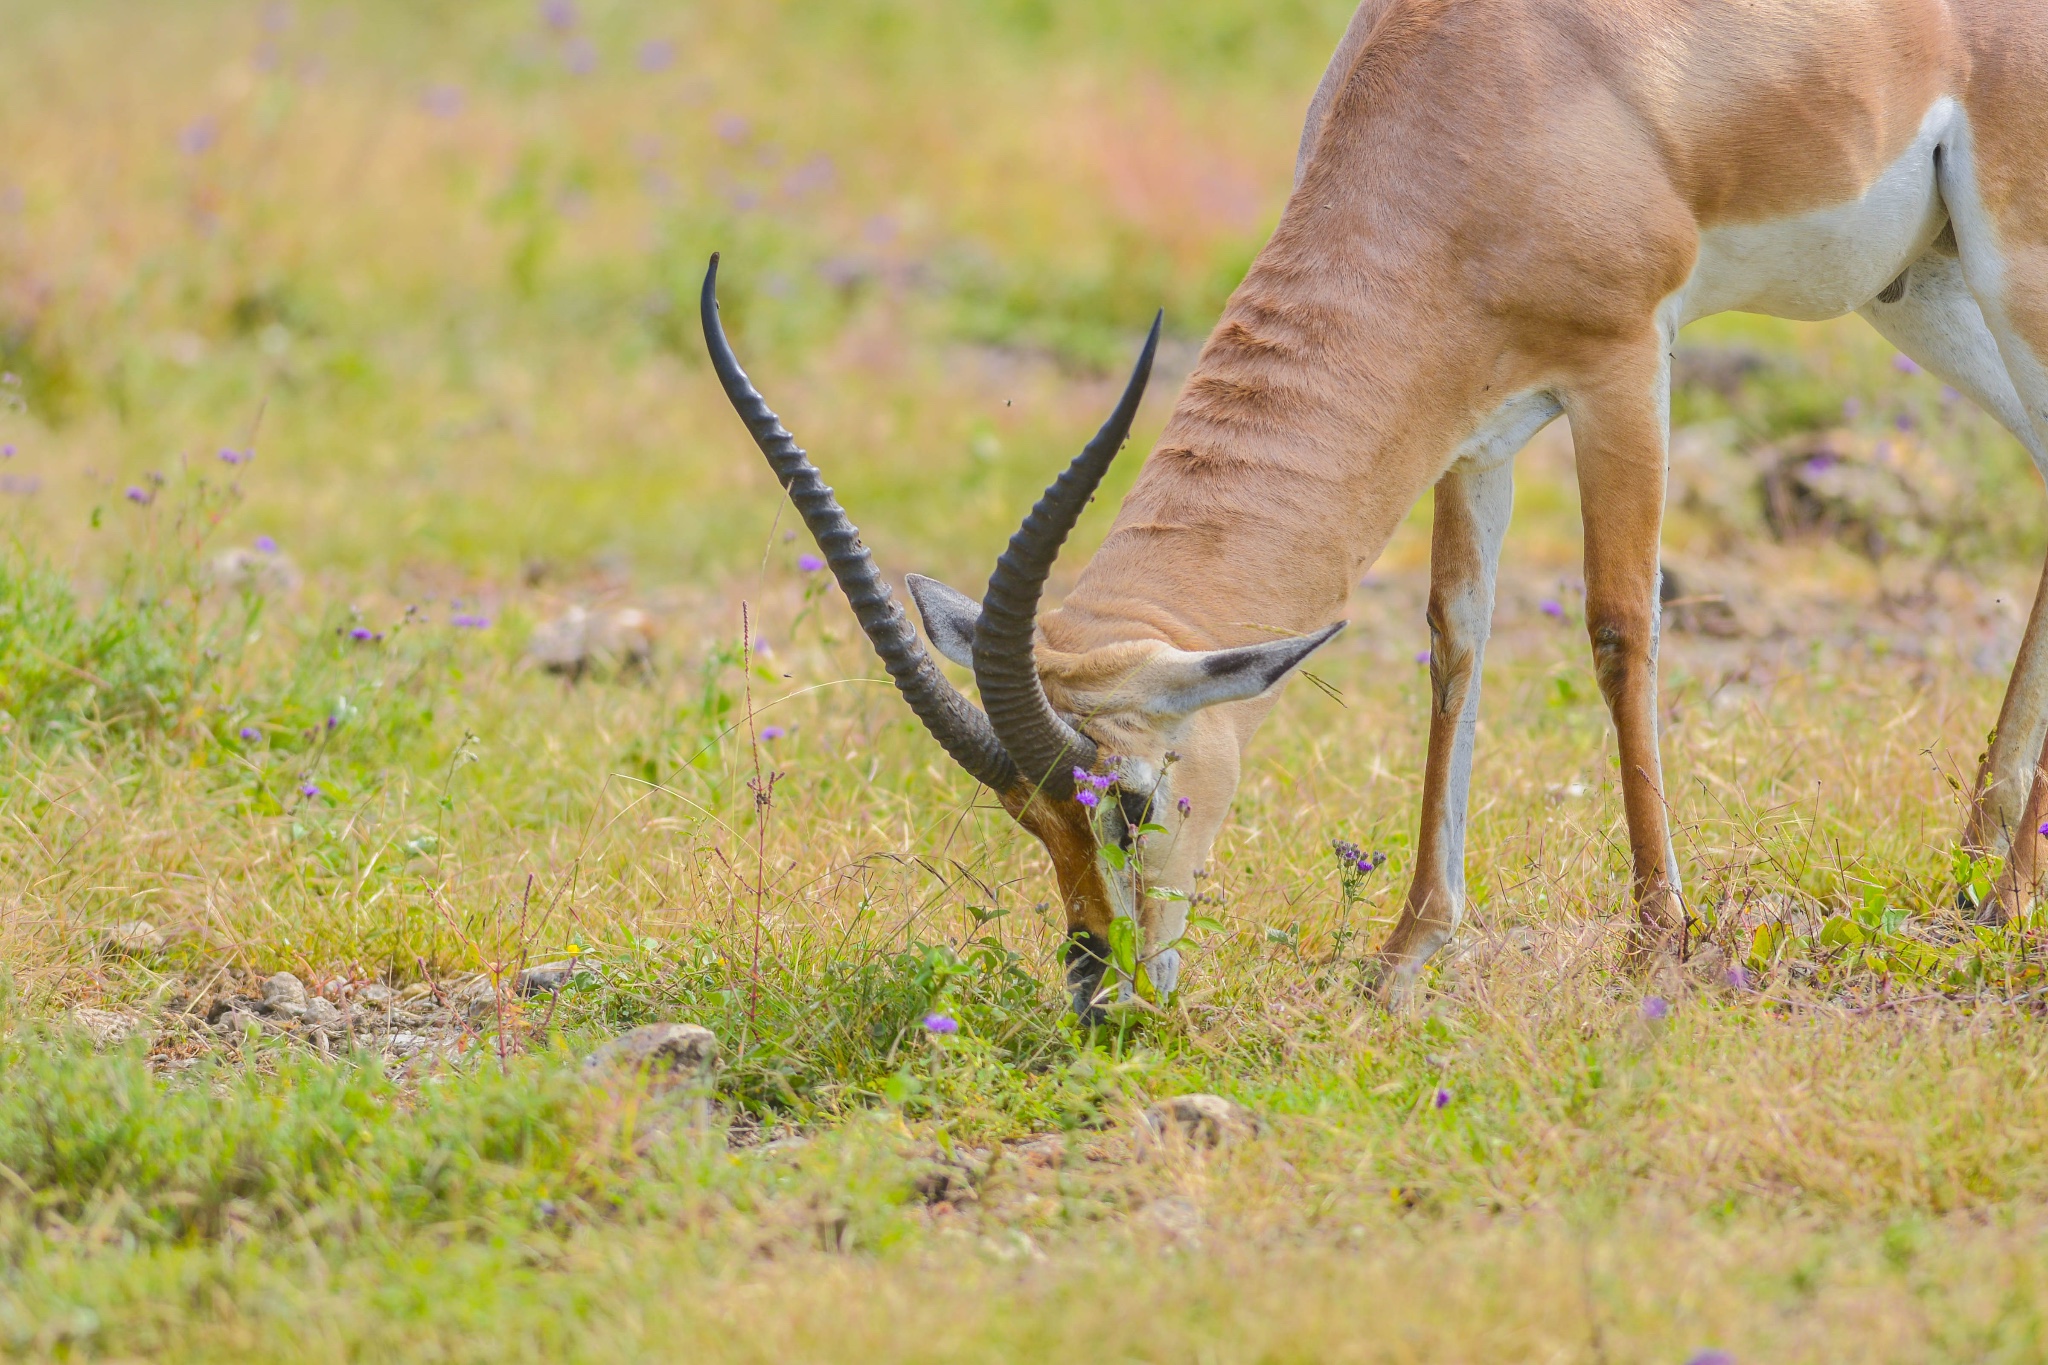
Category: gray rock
[237,1022]
[136,938]
[376,996]
[1176,1217]
[670,1054]
[579,639]
[321,1014]
[1204,1120]
[284,994]
[477,1000]
[551,976]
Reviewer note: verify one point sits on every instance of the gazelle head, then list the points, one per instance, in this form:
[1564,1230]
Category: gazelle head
[1122,758]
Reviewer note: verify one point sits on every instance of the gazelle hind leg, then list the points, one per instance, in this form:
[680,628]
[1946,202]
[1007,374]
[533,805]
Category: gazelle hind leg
[2005,264]
[1473,502]
[1936,320]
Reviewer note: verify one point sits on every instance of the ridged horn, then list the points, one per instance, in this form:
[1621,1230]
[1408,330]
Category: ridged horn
[961,729]
[1044,748]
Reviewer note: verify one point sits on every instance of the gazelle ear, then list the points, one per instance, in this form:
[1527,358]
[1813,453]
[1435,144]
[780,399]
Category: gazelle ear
[1176,682]
[949,617]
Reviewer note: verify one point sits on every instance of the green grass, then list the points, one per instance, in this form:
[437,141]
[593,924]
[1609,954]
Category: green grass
[440,279]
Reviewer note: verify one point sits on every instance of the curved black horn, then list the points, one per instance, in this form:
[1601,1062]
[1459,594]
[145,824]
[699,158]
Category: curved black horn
[960,729]
[1044,747]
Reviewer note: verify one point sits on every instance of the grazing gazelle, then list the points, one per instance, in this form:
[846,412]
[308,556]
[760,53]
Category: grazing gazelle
[1503,210]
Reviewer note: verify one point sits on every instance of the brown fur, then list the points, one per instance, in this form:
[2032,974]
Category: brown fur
[1495,196]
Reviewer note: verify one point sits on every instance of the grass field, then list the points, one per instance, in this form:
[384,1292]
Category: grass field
[346,344]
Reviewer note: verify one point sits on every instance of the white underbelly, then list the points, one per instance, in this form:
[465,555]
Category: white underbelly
[1831,261]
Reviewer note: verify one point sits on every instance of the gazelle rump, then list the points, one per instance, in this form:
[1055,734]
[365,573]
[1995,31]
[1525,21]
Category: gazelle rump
[1504,210]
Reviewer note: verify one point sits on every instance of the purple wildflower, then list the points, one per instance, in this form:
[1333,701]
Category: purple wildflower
[139,496]
[1737,978]
[362,633]
[656,54]
[559,15]
[250,733]
[580,57]
[1088,798]
[1711,1356]
[772,732]
[1656,1008]
[198,138]
[809,563]
[1905,364]
[442,101]
[1552,608]
[7,452]
[266,545]
[941,1023]
[1949,394]
[1102,782]
[469,620]
[2044,827]
[1422,657]
[1904,421]
[1184,806]
[309,791]
[733,127]
[1442,1097]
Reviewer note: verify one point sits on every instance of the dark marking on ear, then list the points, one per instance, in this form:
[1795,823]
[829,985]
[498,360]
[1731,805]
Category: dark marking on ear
[1894,291]
[1270,662]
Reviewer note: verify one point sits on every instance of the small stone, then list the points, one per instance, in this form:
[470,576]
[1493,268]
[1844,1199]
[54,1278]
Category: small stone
[1204,1120]
[418,990]
[284,994]
[106,1027]
[237,1022]
[671,1054]
[579,639]
[406,1044]
[475,999]
[550,977]
[136,938]
[376,995]
[321,1014]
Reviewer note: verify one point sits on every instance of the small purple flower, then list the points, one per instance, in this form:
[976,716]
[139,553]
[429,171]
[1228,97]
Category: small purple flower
[442,101]
[1737,978]
[1422,657]
[266,545]
[199,137]
[941,1023]
[1711,1356]
[733,127]
[1821,462]
[1656,1009]
[1949,394]
[772,732]
[362,633]
[250,733]
[1905,364]
[657,54]
[580,57]
[559,15]
[1102,782]
[6,452]
[1088,798]
[1552,608]
[141,497]
[228,456]
[1904,421]
[1442,1098]
[1184,806]
[809,563]
[309,791]
[2044,828]
[469,620]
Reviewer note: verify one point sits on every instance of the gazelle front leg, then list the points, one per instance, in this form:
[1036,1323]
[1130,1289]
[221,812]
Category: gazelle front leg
[1473,501]
[1619,428]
